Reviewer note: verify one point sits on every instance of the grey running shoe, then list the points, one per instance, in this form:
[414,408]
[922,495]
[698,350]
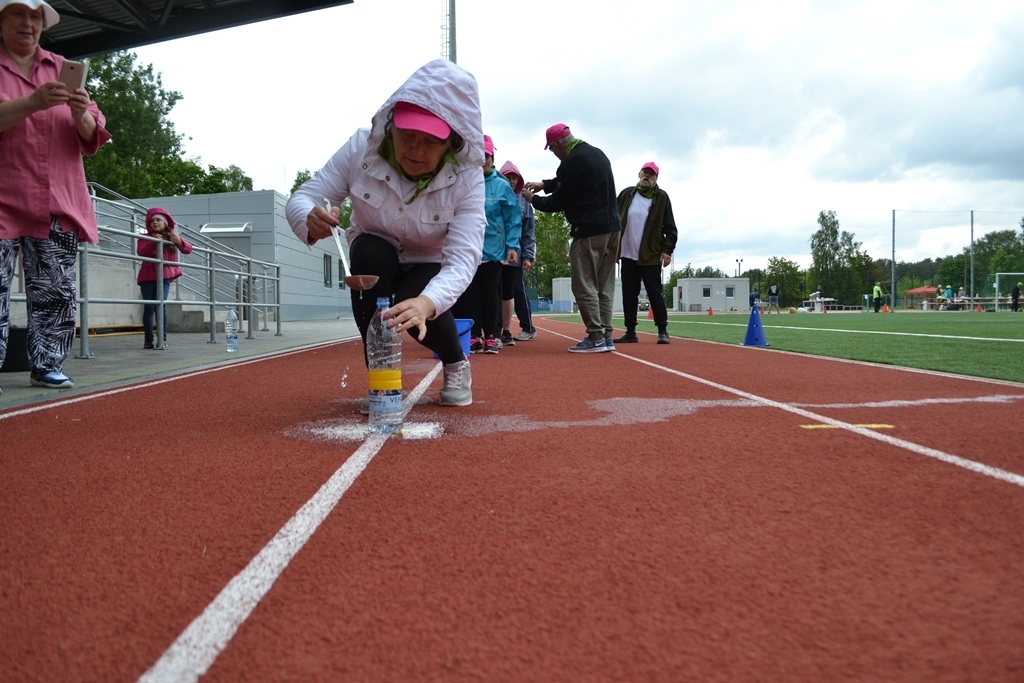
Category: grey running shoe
[526,336]
[609,342]
[589,345]
[507,339]
[458,384]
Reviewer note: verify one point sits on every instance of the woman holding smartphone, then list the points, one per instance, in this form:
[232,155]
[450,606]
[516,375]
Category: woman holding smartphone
[44,131]
[159,224]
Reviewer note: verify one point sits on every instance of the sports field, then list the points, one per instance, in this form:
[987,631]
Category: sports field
[686,512]
[977,344]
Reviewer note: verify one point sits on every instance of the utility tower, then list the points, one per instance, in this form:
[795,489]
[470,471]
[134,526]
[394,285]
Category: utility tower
[448,30]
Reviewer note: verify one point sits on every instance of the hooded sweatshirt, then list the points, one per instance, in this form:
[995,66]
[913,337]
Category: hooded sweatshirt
[445,222]
[147,248]
[528,242]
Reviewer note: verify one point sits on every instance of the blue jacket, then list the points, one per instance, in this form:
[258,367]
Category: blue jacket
[504,220]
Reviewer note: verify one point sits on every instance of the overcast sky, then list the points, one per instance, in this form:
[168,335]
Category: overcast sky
[759,114]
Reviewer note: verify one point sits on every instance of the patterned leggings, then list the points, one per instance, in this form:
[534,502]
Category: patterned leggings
[50,288]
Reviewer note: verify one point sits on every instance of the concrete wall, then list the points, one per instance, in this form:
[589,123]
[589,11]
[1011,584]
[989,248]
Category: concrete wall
[303,293]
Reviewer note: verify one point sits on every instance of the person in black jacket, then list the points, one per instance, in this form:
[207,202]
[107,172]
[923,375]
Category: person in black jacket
[648,239]
[584,188]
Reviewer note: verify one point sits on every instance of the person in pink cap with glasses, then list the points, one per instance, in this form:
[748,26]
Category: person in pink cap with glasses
[584,188]
[417,219]
[648,239]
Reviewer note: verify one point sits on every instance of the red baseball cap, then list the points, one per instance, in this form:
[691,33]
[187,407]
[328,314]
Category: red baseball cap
[556,132]
[412,117]
[651,165]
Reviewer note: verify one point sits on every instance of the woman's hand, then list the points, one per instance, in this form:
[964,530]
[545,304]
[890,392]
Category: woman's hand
[412,313]
[49,95]
[512,257]
[319,222]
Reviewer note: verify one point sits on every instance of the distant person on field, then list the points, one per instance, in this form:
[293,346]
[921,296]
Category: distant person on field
[519,301]
[773,297]
[819,294]
[877,296]
[961,294]
[1015,297]
[949,292]
[584,188]
[158,224]
[45,208]
[648,239]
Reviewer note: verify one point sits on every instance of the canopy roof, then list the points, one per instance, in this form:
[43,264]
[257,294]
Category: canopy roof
[91,27]
[926,289]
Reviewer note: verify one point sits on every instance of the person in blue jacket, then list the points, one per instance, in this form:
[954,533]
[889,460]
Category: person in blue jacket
[481,302]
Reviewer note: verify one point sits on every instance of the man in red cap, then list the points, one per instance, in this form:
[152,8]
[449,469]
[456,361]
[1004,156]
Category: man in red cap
[648,239]
[584,188]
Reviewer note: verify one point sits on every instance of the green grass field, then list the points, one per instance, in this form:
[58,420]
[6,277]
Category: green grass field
[966,343]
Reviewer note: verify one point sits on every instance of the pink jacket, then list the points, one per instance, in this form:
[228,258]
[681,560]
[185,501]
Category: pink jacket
[147,271]
[41,156]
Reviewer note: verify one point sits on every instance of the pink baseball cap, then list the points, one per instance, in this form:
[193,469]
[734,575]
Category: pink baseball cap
[556,132]
[412,117]
[488,145]
[651,165]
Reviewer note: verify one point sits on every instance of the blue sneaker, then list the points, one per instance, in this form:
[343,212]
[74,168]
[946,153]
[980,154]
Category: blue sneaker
[589,345]
[53,380]
[609,342]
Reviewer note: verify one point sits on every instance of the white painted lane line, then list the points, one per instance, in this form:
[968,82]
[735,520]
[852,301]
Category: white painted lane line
[199,645]
[883,332]
[971,465]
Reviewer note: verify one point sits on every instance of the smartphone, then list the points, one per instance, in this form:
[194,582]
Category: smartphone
[72,74]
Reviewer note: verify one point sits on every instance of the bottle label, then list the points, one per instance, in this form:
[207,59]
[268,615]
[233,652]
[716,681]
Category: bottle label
[386,402]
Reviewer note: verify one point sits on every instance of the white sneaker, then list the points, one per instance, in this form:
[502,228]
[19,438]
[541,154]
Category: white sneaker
[458,384]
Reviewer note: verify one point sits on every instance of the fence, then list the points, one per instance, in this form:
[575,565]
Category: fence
[212,275]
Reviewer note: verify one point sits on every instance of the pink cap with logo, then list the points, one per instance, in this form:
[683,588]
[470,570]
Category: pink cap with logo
[556,132]
[412,117]
[651,165]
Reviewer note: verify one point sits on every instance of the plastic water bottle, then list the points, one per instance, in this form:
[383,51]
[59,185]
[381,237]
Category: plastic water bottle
[231,331]
[384,353]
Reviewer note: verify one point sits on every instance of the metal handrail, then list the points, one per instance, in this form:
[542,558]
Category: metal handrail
[213,274]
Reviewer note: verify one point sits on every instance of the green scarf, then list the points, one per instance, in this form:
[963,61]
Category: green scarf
[649,192]
[572,146]
[387,151]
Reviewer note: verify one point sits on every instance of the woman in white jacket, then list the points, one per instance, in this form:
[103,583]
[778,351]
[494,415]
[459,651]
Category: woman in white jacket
[417,218]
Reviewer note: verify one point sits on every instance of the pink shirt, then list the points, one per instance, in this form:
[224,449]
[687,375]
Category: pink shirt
[147,271]
[41,171]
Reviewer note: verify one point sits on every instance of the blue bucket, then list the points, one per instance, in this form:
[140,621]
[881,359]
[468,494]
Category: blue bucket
[464,327]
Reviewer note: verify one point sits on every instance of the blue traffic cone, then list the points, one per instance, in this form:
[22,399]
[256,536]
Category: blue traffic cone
[755,332]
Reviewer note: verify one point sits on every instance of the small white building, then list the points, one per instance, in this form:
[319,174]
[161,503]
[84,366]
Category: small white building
[563,300]
[697,295]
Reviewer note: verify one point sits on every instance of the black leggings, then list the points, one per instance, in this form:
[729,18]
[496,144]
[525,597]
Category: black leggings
[372,255]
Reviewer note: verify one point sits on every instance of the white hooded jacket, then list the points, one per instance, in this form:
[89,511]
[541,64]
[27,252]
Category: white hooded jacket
[445,223]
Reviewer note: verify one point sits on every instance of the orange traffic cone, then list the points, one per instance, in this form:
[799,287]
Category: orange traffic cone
[978,309]
[650,313]
[711,311]
[885,308]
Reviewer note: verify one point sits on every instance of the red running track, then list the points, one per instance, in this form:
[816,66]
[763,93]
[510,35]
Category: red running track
[685,512]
